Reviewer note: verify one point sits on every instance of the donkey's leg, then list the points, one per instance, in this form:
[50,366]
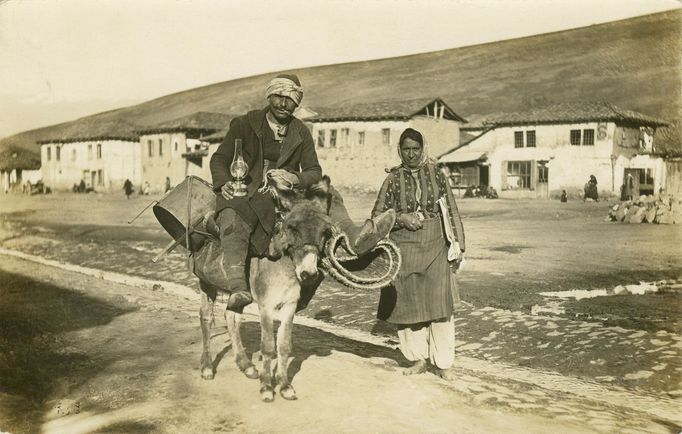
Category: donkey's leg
[267,347]
[284,348]
[234,321]
[206,319]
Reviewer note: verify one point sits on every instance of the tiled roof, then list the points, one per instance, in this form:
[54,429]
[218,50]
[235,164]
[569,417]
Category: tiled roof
[19,158]
[85,130]
[199,121]
[567,113]
[215,137]
[381,110]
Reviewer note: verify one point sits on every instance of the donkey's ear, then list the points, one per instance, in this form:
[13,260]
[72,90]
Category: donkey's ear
[321,187]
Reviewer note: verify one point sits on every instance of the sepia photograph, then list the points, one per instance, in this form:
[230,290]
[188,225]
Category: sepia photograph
[342,216]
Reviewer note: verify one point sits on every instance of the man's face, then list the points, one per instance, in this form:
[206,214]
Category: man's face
[411,153]
[282,108]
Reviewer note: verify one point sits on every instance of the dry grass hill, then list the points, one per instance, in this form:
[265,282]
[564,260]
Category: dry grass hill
[633,63]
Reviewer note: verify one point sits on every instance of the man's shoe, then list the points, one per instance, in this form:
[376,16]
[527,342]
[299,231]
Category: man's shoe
[238,300]
[373,231]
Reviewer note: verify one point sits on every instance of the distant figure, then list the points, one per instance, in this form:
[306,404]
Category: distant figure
[168,185]
[628,187]
[591,189]
[128,188]
[81,186]
[564,196]
[146,188]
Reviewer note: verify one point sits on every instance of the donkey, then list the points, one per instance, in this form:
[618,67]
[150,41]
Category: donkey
[275,283]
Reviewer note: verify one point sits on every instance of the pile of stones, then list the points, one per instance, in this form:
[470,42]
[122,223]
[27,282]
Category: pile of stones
[661,209]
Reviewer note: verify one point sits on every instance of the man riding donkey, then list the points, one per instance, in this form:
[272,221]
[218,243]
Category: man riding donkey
[278,148]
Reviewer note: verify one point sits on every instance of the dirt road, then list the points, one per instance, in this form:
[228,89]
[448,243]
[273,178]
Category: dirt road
[604,364]
[82,354]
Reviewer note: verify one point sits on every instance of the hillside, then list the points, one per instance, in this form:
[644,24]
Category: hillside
[632,63]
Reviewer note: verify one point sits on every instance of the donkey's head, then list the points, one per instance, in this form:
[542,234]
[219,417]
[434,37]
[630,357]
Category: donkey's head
[305,228]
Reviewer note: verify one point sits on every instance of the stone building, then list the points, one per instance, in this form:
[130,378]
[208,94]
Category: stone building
[356,142]
[103,155]
[169,149]
[531,153]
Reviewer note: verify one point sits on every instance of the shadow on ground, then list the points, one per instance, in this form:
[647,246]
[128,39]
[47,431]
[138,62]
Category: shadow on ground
[307,342]
[36,361]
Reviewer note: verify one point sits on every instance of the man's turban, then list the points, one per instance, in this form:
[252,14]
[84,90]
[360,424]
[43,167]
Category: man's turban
[286,85]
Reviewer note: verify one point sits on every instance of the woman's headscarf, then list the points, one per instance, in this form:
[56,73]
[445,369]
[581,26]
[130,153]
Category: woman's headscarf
[411,133]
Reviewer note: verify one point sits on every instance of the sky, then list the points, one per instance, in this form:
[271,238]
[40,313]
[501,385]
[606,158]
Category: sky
[63,59]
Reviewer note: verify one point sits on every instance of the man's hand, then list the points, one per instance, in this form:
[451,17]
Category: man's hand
[283,180]
[409,221]
[227,191]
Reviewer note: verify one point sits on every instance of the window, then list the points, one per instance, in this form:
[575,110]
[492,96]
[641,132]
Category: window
[150,149]
[530,139]
[646,176]
[518,175]
[73,155]
[518,139]
[320,139]
[386,136]
[57,153]
[90,152]
[332,138]
[361,138]
[100,178]
[176,146]
[99,151]
[588,137]
[543,173]
[49,153]
[344,136]
[575,137]
[160,147]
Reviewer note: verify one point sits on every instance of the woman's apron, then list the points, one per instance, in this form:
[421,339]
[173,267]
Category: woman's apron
[421,291]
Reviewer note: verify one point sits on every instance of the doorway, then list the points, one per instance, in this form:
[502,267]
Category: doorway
[483,179]
[542,184]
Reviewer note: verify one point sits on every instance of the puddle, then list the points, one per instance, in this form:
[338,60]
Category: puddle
[145,247]
[510,248]
[642,288]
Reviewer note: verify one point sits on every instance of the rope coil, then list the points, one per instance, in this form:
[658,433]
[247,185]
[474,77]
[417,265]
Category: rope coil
[385,254]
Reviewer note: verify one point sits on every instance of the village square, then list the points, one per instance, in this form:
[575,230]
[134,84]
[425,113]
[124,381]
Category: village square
[568,299]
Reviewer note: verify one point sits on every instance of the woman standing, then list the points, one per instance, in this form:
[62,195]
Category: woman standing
[420,301]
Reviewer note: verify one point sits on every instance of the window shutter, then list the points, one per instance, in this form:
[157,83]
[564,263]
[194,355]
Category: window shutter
[503,173]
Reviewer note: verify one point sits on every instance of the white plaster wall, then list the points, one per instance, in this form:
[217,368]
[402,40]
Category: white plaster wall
[156,168]
[441,135]
[568,165]
[352,165]
[119,161]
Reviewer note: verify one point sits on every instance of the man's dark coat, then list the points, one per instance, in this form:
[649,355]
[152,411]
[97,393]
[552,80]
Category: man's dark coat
[297,155]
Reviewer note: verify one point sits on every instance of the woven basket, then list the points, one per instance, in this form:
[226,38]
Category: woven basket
[374,270]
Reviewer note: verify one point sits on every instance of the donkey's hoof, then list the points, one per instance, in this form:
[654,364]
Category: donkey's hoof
[288,393]
[251,372]
[207,373]
[267,394]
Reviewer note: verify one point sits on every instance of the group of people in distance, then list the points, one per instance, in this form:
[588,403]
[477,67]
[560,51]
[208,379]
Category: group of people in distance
[280,147]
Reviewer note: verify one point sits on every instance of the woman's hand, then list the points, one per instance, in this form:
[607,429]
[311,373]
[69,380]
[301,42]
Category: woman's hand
[409,221]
